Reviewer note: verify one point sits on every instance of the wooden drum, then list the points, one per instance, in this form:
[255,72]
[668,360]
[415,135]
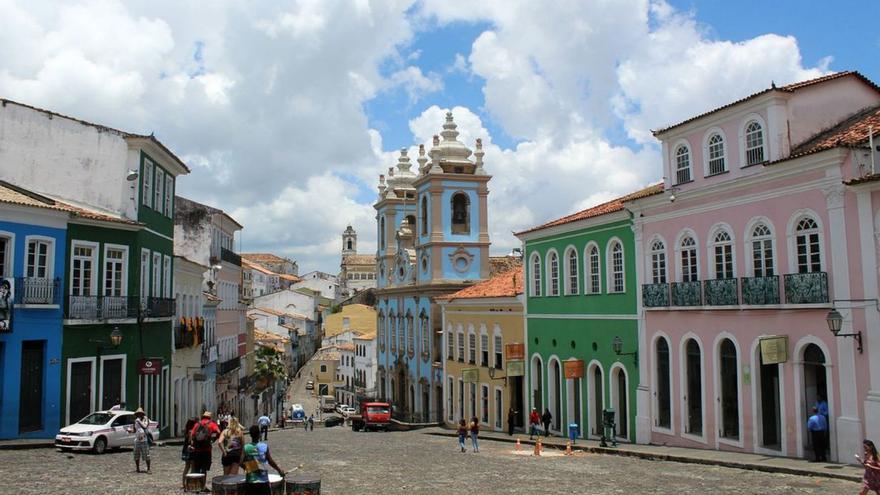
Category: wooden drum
[195,482]
[303,484]
[276,484]
[232,484]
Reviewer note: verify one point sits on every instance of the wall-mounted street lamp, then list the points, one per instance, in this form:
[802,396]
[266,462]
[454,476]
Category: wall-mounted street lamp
[835,322]
[617,346]
[493,371]
[115,341]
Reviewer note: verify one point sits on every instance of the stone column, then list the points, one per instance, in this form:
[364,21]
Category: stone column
[869,244]
[849,431]
[643,391]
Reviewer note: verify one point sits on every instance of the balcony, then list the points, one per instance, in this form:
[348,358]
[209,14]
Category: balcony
[760,290]
[228,365]
[159,307]
[721,292]
[230,257]
[655,295]
[806,288]
[101,307]
[686,294]
[31,290]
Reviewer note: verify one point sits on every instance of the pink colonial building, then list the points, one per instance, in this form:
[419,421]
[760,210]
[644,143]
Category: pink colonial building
[769,220]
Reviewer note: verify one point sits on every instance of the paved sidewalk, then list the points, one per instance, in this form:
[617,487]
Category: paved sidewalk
[754,462]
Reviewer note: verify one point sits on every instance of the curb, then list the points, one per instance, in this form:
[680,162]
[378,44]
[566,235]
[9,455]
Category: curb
[27,446]
[678,458]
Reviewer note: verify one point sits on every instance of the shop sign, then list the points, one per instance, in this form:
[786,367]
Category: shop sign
[573,368]
[470,375]
[774,350]
[514,351]
[149,366]
[516,368]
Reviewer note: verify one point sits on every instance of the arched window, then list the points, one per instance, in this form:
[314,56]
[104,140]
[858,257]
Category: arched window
[688,260]
[450,347]
[380,329]
[553,277]
[382,233]
[616,282]
[723,254]
[536,275]
[762,251]
[664,386]
[484,347]
[392,321]
[424,215]
[460,345]
[716,154]
[425,331]
[410,335]
[461,214]
[682,164]
[807,245]
[658,262]
[593,270]
[411,220]
[348,245]
[472,346]
[571,272]
[728,380]
[754,143]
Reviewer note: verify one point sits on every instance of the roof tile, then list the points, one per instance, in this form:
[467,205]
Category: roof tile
[507,284]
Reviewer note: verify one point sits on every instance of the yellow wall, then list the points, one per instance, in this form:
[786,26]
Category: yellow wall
[328,377]
[465,315]
[362,318]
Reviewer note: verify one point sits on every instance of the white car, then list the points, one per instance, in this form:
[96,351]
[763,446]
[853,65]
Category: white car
[100,431]
[348,411]
[341,407]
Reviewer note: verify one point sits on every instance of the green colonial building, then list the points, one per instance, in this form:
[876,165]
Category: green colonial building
[581,320]
[119,305]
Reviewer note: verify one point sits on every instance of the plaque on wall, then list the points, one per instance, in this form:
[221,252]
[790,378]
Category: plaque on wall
[774,349]
[516,367]
[470,375]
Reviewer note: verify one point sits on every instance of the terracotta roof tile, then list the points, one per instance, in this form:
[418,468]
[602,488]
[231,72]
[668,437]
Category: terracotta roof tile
[790,88]
[507,284]
[850,133]
[360,259]
[287,276]
[258,267]
[602,209]
[501,264]
[12,194]
[263,258]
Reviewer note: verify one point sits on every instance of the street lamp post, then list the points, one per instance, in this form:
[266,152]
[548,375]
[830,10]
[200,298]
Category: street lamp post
[835,323]
[617,346]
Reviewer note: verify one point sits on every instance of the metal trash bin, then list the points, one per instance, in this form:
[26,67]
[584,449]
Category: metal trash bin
[574,431]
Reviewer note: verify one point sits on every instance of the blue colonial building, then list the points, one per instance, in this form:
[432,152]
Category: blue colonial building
[33,240]
[433,239]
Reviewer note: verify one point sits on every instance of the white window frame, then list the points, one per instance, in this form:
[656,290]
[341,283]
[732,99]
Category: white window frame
[655,384]
[156,281]
[485,403]
[124,281]
[169,195]
[690,161]
[450,344]
[724,156]
[611,271]
[460,355]
[653,261]
[752,117]
[159,191]
[471,345]
[50,254]
[588,269]
[792,234]
[571,280]
[166,276]
[750,239]
[678,252]
[145,275]
[498,344]
[712,243]
[9,260]
[553,285]
[497,392]
[147,183]
[535,269]
[96,281]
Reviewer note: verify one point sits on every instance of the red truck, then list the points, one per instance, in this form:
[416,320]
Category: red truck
[373,416]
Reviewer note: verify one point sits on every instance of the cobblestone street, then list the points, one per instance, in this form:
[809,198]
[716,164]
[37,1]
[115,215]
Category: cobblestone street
[404,463]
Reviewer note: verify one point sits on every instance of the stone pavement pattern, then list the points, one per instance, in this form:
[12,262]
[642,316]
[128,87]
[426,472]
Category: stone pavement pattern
[405,463]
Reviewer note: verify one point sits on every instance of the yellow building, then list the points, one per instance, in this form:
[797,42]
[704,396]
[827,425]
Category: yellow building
[325,367]
[357,317]
[483,337]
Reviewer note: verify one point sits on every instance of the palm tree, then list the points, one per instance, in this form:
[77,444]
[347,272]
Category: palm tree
[269,366]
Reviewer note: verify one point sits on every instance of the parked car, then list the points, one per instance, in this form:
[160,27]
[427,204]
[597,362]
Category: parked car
[348,411]
[341,407]
[333,420]
[310,385]
[100,431]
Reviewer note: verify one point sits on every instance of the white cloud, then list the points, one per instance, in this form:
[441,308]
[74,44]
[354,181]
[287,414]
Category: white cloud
[415,83]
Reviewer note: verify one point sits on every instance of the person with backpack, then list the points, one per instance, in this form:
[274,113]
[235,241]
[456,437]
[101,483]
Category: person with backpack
[203,434]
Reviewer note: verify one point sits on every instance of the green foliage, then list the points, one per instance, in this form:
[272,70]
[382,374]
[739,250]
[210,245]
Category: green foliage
[269,364]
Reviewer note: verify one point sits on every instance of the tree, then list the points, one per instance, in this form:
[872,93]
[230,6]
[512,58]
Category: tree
[269,366]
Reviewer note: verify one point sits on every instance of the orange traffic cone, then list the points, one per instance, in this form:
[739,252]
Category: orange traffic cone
[568,447]
[518,446]
[537,448]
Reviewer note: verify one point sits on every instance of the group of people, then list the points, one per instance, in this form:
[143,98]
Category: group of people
[253,456]
[472,429]
[536,419]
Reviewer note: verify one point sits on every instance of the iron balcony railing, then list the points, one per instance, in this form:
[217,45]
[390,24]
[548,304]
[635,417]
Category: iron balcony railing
[721,292]
[760,290]
[687,293]
[101,307]
[806,288]
[229,256]
[655,295]
[158,307]
[33,290]
[228,365]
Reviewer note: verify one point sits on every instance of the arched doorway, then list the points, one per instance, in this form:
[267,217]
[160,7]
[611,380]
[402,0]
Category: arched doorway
[574,403]
[555,398]
[693,388]
[769,379]
[597,399]
[663,392]
[537,380]
[815,391]
[401,394]
[621,403]
[728,381]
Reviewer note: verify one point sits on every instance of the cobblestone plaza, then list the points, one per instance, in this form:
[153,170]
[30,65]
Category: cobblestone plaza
[361,463]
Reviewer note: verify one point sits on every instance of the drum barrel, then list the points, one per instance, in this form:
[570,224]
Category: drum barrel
[228,485]
[303,484]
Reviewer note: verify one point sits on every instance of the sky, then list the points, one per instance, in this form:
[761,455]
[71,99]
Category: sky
[287,111]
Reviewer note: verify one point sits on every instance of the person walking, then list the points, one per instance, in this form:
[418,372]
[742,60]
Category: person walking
[231,442]
[202,435]
[462,433]
[141,440]
[818,428]
[534,420]
[871,478]
[264,423]
[312,422]
[475,431]
[511,418]
[257,460]
[184,451]
[546,418]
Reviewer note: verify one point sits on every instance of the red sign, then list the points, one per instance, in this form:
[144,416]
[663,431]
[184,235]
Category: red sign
[573,368]
[149,366]
[514,351]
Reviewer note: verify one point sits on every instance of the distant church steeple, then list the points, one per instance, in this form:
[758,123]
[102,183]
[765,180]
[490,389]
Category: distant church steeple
[349,241]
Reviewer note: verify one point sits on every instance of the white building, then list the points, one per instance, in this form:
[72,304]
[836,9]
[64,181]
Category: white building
[326,284]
